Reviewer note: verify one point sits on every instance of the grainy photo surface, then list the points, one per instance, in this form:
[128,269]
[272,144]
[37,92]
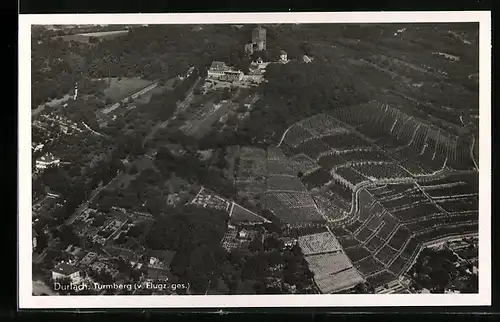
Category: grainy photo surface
[241,159]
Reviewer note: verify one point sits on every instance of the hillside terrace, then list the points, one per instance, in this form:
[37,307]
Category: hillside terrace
[333,271]
[389,229]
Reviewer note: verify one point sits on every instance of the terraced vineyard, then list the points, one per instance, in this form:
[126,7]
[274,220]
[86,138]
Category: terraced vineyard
[285,194]
[333,271]
[394,221]
[388,183]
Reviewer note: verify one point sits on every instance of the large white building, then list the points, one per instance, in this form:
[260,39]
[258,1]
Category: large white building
[66,270]
[220,71]
[47,160]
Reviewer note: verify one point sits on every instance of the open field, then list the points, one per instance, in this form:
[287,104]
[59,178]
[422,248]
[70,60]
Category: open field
[85,37]
[124,87]
[239,214]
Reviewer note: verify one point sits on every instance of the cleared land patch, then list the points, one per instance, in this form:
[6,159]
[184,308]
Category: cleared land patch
[124,87]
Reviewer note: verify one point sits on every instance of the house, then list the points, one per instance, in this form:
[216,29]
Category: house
[52,195]
[34,236]
[217,69]
[47,160]
[244,234]
[190,71]
[306,59]
[249,48]
[161,258]
[176,149]
[475,270]
[283,57]
[288,241]
[66,270]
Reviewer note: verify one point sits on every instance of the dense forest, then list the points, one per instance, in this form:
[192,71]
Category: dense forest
[153,53]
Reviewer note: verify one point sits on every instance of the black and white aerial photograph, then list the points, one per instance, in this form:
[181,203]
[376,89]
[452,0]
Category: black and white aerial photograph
[241,159]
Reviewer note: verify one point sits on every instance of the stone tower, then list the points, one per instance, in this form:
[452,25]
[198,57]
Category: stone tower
[259,38]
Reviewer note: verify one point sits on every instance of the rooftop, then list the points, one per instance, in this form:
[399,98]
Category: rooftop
[165,256]
[218,65]
[65,269]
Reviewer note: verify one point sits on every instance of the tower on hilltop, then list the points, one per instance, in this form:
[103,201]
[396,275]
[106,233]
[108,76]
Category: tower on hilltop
[259,38]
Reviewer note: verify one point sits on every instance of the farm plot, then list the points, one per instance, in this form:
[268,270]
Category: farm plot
[340,190]
[331,161]
[279,168]
[451,191]
[374,244]
[464,204]
[411,213]
[448,231]
[398,265]
[332,269]
[392,129]
[369,266]
[302,163]
[239,214]
[316,179]
[390,224]
[375,221]
[296,135]
[197,128]
[386,254]
[319,243]
[296,232]
[453,179]
[440,220]
[402,200]
[383,170]
[332,208]
[331,283]
[416,167]
[284,183]
[354,226]
[345,141]
[327,264]
[380,278]
[350,175]
[363,155]
[121,88]
[363,234]
[312,148]
[399,238]
[252,163]
[347,241]
[292,208]
[340,232]
[354,115]
[322,124]
[357,253]
[411,248]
